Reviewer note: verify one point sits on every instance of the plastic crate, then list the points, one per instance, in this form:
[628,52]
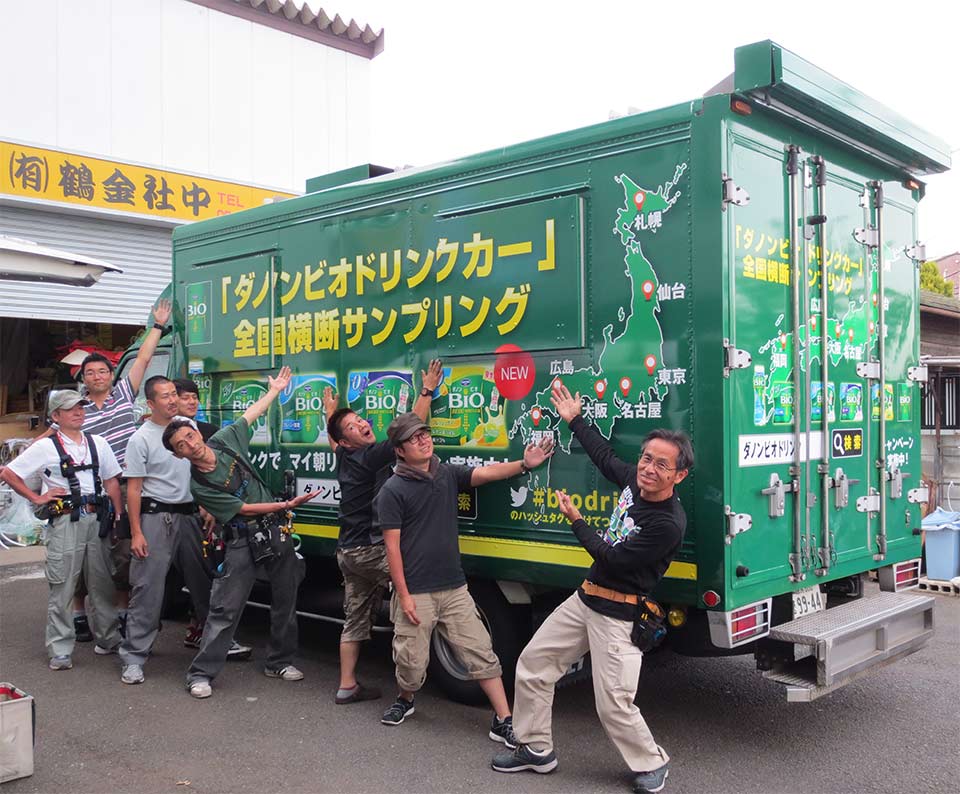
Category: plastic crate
[17,724]
[943,553]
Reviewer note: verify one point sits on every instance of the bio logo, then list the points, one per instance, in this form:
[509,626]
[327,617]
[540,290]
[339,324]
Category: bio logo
[309,402]
[380,402]
[472,400]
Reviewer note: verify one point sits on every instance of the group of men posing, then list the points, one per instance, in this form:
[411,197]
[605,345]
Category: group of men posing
[398,525]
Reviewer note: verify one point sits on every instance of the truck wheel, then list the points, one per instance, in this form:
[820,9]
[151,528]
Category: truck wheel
[509,632]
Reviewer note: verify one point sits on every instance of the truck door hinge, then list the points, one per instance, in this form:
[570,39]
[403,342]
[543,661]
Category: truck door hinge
[869,370]
[736,523]
[868,236]
[734,358]
[869,503]
[919,495]
[776,494]
[918,374]
[732,194]
[917,252]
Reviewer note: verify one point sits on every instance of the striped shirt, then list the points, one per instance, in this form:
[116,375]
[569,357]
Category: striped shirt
[115,420]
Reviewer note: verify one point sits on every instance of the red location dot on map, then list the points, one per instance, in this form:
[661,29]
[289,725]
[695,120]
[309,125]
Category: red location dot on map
[783,340]
[600,387]
[647,288]
[535,415]
[836,330]
[625,384]
[813,323]
[850,334]
[638,199]
[874,297]
[650,362]
[872,326]
[514,372]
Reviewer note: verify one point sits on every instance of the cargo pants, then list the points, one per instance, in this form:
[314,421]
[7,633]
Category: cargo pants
[72,547]
[172,539]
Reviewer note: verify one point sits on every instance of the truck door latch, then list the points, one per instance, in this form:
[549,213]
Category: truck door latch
[776,493]
[732,194]
[842,483]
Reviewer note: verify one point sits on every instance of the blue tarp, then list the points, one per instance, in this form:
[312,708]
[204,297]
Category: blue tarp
[941,519]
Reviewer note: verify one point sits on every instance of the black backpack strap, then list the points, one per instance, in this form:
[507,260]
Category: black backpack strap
[201,478]
[242,463]
[95,462]
[69,471]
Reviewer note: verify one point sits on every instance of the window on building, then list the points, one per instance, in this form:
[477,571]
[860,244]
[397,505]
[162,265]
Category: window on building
[945,390]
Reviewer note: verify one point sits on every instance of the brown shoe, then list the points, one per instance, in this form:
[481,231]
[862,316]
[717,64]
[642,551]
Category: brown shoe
[358,693]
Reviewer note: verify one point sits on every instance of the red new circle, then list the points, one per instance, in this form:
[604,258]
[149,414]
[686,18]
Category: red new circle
[514,372]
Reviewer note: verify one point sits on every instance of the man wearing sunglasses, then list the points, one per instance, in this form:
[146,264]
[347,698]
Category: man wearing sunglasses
[630,557]
[417,508]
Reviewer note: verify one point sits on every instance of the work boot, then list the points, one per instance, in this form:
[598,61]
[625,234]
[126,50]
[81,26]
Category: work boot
[81,627]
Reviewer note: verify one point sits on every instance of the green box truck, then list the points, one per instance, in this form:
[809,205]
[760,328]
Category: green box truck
[743,266]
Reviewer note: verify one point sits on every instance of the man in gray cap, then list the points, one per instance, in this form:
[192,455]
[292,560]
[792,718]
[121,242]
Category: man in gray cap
[76,470]
[418,516]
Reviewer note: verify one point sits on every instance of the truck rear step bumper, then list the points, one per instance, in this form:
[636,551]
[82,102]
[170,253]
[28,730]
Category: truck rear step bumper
[834,647]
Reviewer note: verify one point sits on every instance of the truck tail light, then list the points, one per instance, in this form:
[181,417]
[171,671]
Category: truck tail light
[743,625]
[899,576]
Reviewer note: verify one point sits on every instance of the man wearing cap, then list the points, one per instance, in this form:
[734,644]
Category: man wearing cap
[164,527]
[255,528]
[362,467]
[630,557]
[110,414]
[77,474]
[417,509]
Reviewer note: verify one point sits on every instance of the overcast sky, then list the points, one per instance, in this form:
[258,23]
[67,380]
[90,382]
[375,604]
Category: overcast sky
[457,78]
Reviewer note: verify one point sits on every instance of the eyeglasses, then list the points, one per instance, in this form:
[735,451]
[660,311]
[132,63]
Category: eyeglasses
[420,436]
[661,465]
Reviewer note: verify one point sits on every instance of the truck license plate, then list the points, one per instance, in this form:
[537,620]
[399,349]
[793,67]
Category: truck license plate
[808,601]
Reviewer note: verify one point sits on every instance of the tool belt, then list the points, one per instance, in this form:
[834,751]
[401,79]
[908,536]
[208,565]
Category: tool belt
[592,589]
[153,506]
[240,527]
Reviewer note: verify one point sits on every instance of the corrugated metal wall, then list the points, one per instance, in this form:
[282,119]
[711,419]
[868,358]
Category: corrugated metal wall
[142,251]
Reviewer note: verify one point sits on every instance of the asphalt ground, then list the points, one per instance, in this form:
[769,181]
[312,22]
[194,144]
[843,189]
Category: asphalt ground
[727,729]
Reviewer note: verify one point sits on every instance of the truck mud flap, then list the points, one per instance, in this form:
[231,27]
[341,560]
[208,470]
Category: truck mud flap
[819,653]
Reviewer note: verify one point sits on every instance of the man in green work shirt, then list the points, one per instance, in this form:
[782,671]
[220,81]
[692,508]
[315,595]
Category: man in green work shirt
[254,531]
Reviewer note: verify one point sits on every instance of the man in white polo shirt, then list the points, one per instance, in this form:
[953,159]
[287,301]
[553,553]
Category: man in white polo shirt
[75,470]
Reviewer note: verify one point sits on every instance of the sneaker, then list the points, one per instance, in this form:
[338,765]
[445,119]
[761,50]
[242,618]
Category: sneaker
[502,731]
[99,650]
[200,688]
[132,674]
[240,652]
[81,627]
[358,693]
[193,637]
[651,782]
[524,758]
[398,712]
[61,663]
[286,673]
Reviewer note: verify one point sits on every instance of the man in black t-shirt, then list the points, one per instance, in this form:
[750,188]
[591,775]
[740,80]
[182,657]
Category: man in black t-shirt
[188,405]
[417,508]
[362,466]
[630,557]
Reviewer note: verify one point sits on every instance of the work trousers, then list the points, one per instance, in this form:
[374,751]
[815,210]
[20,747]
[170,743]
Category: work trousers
[72,547]
[570,631]
[228,597]
[172,539]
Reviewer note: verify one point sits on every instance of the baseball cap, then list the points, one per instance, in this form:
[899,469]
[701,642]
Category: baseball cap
[403,427]
[65,399]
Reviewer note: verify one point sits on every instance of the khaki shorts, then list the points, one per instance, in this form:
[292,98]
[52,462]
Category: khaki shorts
[454,614]
[365,580]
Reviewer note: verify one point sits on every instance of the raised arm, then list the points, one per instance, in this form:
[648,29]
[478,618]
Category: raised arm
[533,456]
[429,380]
[161,314]
[262,508]
[600,452]
[274,387]
[330,403]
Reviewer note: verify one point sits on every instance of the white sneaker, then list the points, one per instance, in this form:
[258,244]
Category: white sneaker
[288,673]
[238,652]
[200,688]
[132,674]
[99,650]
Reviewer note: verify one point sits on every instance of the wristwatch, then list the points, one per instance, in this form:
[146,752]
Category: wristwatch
[159,327]
[523,468]
[425,392]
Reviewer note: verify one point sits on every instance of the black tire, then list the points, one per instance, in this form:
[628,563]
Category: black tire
[509,628]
